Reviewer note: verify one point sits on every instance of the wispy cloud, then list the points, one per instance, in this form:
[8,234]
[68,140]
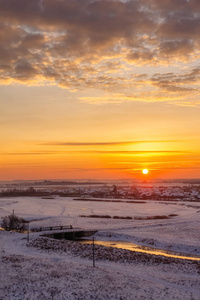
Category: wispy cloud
[30,153]
[130,152]
[115,143]
[94,152]
[94,169]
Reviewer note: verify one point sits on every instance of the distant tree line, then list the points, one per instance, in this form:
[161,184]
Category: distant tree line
[15,192]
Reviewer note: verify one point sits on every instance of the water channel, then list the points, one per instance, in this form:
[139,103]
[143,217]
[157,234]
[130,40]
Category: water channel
[136,248]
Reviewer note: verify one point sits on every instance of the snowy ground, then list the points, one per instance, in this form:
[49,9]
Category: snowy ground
[51,269]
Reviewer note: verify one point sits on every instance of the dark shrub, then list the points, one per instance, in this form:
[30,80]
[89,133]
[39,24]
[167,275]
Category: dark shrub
[13,222]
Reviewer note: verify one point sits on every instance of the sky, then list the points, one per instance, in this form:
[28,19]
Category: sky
[99,89]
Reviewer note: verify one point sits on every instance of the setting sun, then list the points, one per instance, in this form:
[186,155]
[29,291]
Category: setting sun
[145,171]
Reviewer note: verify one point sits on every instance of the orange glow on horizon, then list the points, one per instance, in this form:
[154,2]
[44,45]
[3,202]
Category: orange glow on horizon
[98,160]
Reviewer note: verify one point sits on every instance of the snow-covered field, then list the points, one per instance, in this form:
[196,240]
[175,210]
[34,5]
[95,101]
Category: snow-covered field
[53,269]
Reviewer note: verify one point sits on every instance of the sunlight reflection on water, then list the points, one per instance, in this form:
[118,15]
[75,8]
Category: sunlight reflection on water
[134,247]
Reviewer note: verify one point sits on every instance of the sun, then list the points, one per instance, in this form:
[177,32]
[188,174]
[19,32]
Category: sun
[145,171]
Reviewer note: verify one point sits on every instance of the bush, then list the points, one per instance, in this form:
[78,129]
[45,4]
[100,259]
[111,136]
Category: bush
[13,222]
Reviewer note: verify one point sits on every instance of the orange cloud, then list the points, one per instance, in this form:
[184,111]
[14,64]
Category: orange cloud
[76,44]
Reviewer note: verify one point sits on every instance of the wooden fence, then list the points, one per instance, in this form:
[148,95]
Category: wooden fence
[55,228]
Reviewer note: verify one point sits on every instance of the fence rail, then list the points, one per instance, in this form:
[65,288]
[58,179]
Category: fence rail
[55,228]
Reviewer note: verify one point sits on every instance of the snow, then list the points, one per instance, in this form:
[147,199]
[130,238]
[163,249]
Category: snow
[57,269]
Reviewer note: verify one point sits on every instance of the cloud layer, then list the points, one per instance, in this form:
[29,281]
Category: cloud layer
[97,44]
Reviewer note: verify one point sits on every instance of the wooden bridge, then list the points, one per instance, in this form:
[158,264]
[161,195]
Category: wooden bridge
[65,232]
[72,234]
